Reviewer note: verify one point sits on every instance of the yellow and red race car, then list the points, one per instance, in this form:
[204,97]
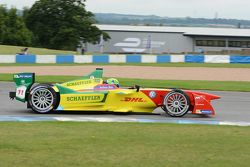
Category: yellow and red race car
[91,93]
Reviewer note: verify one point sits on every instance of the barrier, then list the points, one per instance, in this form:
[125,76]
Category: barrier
[100,59]
[217,59]
[124,58]
[25,58]
[239,59]
[163,59]
[64,59]
[133,58]
[194,58]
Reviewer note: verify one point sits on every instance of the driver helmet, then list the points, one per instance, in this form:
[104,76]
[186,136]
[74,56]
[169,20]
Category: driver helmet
[113,81]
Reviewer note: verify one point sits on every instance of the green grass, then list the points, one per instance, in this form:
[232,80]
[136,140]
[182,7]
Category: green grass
[212,65]
[10,50]
[195,85]
[122,144]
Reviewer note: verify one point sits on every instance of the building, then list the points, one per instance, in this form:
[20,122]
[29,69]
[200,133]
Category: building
[164,40]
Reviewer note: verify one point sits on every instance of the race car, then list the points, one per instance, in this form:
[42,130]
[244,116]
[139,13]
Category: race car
[91,93]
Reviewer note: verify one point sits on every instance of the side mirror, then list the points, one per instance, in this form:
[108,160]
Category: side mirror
[137,87]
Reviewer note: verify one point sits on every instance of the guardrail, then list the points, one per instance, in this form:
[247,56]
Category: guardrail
[124,58]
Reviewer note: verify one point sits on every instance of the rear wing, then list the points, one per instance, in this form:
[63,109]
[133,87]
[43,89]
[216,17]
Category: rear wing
[23,82]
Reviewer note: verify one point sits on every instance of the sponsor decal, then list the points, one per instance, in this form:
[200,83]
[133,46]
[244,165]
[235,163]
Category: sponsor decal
[152,94]
[138,45]
[20,92]
[97,80]
[198,111]
[23,82]
[133,99]
[104,87]
[16,76]
[79,83]
[200,97]
[200,104]
[204,112]
[131,45]
[84,98]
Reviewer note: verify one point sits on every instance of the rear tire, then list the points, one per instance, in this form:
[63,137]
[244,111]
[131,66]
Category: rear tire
[43,99]
[176,103]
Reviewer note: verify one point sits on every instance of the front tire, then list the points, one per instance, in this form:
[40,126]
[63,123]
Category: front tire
[42,99]
[176,103]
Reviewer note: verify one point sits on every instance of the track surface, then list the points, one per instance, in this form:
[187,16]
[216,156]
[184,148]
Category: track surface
[232,107]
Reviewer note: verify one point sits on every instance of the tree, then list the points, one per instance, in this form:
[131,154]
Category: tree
[3,16]
[13,30]
[60,24]
[17,32]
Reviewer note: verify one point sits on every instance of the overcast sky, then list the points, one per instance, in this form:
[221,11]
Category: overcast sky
[238,9]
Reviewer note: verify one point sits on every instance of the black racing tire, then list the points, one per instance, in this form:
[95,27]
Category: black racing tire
[176,103]
[43,99]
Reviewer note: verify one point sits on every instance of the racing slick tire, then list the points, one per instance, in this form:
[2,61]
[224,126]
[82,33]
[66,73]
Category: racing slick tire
[43,99]
[176,103]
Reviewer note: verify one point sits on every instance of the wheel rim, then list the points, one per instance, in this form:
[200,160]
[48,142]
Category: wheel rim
[176,103]
[42,99]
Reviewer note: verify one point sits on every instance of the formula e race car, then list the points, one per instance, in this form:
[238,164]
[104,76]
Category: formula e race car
[90,93]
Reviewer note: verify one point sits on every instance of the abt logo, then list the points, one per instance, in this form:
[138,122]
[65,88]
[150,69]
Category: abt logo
[130,99]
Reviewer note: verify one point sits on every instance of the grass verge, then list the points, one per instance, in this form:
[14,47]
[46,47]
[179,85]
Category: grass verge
[195,85]
[12,50]
[122,144]
[211,65]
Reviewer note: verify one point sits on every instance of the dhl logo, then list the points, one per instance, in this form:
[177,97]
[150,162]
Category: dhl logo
[134,99]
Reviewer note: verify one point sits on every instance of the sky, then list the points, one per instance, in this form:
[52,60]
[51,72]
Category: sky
[236,9]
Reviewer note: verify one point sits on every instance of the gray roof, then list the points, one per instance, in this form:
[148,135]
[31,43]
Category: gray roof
[189,31]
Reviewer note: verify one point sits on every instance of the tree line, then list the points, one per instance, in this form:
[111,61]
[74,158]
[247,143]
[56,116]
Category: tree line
[53,24]
[127,19]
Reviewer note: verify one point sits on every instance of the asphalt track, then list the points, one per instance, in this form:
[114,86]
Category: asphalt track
[232,108]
